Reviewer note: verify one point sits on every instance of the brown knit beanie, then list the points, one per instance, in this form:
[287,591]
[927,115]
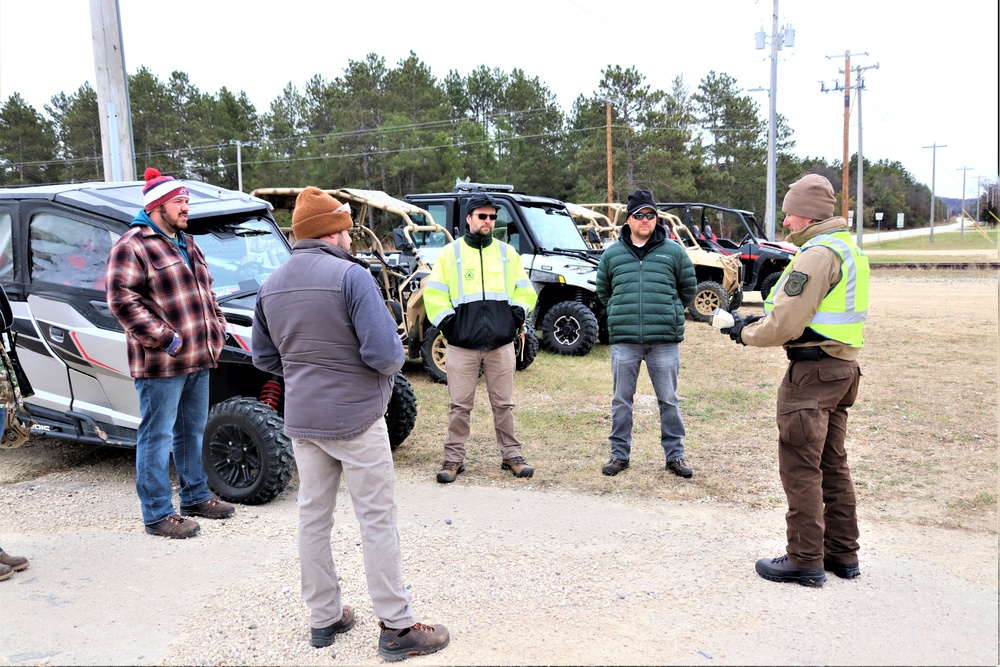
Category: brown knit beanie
[811,197]
[317,214]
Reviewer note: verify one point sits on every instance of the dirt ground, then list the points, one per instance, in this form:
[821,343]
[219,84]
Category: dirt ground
[521,575]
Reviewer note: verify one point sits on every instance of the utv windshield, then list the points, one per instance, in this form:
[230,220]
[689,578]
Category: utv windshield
[241,256]
[554,228]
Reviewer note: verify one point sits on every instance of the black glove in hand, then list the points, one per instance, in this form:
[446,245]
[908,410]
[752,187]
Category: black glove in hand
[736,331]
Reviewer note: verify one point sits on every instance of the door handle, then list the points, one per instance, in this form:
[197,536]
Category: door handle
[56,334]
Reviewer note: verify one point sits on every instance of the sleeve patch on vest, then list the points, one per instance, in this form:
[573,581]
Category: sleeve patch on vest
[795,282]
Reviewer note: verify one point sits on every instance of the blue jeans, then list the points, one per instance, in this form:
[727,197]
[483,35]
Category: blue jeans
[663,361]
[174,413]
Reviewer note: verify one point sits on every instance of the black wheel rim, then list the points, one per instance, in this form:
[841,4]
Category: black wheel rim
[235,457]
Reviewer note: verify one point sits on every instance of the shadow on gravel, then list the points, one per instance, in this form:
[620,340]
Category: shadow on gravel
[42,456]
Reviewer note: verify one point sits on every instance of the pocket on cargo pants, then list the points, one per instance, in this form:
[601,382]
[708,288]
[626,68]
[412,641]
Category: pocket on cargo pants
[799,421]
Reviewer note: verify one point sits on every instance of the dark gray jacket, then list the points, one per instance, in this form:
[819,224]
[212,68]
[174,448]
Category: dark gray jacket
[321,323]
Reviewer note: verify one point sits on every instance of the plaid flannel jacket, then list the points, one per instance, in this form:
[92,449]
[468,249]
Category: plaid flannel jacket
[154,294]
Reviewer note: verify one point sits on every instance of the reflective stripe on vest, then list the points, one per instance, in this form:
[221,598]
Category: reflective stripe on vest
[842,313]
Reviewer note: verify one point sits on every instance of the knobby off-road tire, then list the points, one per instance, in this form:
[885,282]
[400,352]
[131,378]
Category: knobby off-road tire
[768,283]
[247,457]
[434,352]
[530,348]
[569,328]
[401,413]
[736,300]
[708,296]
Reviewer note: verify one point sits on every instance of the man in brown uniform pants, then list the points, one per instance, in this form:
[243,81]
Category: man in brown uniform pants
[817,312]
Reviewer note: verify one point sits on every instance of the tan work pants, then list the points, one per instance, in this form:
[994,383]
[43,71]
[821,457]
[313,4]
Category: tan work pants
[366,464]
[463,376]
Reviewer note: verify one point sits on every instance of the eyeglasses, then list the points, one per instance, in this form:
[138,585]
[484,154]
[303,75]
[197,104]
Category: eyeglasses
[646,216]
[486,216]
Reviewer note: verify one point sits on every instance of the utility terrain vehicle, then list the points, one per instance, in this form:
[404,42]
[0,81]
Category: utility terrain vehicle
[561,266]
[719,276]
[54,245]
[400,272]
[730,231]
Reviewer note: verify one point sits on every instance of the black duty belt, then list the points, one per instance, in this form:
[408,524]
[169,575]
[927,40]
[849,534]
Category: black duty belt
[814,353]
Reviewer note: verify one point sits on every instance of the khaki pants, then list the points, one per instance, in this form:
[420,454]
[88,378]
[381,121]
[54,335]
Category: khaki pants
[366,464]
[463,376]
[812,426]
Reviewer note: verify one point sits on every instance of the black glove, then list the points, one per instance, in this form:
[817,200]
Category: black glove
[736,331]
[518,314]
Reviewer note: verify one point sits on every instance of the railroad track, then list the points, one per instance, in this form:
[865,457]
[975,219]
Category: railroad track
[944,266]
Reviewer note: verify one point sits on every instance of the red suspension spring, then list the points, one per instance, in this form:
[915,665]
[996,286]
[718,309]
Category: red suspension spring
[270,394]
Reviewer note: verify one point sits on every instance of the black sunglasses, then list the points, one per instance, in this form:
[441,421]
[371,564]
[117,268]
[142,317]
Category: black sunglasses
[647,216]
[486,216]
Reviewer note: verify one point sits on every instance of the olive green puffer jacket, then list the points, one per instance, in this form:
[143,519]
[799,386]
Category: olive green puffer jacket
[645,297]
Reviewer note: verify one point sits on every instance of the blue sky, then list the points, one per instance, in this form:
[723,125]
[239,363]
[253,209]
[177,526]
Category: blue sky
[936,80]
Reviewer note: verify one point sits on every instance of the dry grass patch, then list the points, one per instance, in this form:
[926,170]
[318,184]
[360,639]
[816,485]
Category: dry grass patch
[922,438]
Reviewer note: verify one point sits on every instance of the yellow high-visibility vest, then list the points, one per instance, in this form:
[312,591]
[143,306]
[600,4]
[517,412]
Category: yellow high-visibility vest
[842,313]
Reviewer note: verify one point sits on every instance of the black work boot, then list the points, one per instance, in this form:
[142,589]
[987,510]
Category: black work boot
[842,570]
[680,468]
[325,636]
[783,569]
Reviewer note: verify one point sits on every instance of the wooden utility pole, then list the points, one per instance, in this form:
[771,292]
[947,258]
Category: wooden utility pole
[845,188]
[607,103]
[112,92]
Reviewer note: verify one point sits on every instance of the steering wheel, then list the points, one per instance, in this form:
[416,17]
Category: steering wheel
[249,271]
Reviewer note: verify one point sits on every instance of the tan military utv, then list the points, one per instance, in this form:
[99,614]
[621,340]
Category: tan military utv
[400,271]
[719,277]
[596,228]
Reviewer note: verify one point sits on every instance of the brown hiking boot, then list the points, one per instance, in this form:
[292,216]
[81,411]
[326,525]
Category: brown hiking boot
[517,467]
[175,527]
[325,636]
[210,509]
[418,639]
[449,471]
[5,572]
[15,563]
[614,466]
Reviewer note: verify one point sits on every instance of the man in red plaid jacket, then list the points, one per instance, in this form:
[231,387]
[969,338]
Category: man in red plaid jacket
[160,290]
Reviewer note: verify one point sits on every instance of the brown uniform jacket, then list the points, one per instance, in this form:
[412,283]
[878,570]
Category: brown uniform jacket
[792,314]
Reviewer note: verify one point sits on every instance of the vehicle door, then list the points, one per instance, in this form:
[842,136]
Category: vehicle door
[73,349]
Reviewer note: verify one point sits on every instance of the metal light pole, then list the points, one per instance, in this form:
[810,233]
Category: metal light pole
[962,217]
[778,40]
[935,146]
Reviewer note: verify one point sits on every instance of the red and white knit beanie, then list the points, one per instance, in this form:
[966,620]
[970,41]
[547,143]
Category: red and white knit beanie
[160,189]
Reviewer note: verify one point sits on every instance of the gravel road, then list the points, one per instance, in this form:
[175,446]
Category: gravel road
[521,576]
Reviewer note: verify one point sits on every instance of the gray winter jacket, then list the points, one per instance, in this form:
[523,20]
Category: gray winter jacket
[321,322]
